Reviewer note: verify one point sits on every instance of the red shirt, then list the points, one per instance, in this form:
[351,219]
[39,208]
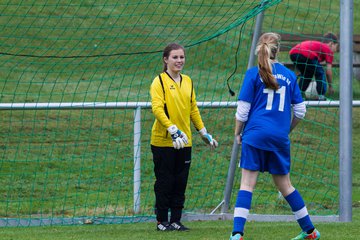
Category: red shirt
[314,49]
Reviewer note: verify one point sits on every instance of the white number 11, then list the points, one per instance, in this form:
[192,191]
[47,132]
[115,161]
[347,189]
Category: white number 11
[270,97]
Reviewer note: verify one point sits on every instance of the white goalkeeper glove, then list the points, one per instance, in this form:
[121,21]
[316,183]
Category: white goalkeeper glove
[208,139]
[179,138]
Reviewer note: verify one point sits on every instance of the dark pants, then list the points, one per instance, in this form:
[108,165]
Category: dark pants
[171,169]
[309,68]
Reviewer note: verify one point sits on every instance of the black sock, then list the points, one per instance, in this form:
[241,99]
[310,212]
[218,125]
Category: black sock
[234,233]
[310,231]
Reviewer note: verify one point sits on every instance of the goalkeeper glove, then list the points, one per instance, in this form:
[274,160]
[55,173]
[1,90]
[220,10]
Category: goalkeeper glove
[208,139]
[178,137]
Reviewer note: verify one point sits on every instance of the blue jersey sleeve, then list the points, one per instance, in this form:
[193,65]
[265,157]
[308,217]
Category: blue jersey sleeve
[247,92]
[296,93]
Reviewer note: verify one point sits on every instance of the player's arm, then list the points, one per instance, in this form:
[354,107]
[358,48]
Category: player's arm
[241,116]
[239,125]
[299,114]
[158,103]
[195,113]
[329,77]
[199,124]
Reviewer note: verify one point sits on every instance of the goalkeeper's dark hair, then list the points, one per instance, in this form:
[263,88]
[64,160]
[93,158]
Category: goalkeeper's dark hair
[267,49]
[168,49]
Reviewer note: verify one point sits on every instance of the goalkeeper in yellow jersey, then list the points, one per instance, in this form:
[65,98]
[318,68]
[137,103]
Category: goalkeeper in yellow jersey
[174,107]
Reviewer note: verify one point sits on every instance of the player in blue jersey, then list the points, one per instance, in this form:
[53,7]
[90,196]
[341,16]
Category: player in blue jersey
[269,107]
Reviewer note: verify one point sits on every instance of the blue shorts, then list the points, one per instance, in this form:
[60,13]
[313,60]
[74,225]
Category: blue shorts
[274,162]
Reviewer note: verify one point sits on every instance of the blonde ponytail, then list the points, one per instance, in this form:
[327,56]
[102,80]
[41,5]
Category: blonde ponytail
[267,49]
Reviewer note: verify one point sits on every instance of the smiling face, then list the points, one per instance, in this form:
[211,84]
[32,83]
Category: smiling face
[176,60]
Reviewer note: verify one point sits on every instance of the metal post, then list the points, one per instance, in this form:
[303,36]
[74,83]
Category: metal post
[256,35]
[235,149]
[137,165]
[346,95]
[230,177]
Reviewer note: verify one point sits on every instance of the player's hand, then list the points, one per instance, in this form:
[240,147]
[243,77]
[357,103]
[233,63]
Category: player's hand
[331,90]
[179,138]
[208,139]
[238,138]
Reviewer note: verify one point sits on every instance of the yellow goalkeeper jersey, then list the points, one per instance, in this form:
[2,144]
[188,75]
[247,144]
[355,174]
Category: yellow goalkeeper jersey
[173,104]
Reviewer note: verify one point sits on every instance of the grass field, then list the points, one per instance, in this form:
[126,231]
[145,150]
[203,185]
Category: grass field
[201,230]
[79,162]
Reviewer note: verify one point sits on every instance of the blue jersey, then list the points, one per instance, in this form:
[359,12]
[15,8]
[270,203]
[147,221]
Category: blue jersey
[268,125]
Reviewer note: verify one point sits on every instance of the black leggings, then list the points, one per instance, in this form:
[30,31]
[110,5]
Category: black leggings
[309,68]
[171,167]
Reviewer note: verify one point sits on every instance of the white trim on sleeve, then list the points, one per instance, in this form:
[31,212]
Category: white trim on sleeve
[299,110]
[242,111]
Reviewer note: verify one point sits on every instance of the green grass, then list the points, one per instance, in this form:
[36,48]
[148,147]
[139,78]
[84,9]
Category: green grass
[200,230]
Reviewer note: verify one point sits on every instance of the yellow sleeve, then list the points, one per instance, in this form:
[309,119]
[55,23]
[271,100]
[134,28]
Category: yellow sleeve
[158,103]
[195,113]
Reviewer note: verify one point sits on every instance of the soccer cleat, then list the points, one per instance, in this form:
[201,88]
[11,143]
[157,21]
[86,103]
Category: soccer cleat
[164,226]
[322,98]
[179,226]
[303,235]
[236,237]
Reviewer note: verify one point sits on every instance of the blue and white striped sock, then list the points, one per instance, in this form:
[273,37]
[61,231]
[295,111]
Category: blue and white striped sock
[299,209]
[241,211]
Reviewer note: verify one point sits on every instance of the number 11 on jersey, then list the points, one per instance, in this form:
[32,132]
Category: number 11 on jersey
[270,97]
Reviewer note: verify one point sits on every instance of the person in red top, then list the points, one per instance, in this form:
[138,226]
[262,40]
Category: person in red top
[307,57]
